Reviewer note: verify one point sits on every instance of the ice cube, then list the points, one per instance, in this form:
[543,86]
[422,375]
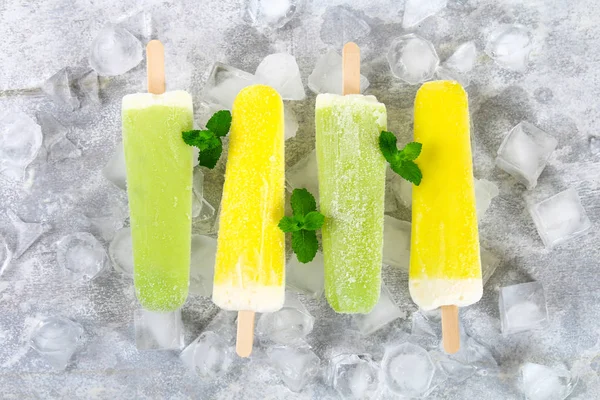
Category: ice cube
[55,140]
[455,370]
[412,59]
[115,169]
[306,278]
[290,122]
[522,307]
[326,77]
[385,311]
[304,175]
[290,325]
[27,232]
[416,11]
[203,112]
[197,192]
[389,205]
[5,255]
[20,142]
[342,25]
[88,86]
[560,218]
[594,143]
[210,356]
[460,63]
[120,251]
[396,243]
[138,24]
[355,376]
[425,326]
[58,88]
[402,189]
[224,324]
[271,14]
[281,72]
[224,83]
[115,51]
[56,339]
[297,367]
[545,383]
[107,226]
[525,152]
[158,331]
[489,263]
[202,266]
[408,370]
[509,46]
[81,256]
[485,191]
[472,354]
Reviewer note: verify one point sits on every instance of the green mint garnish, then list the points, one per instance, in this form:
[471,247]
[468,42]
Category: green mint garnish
[208,140]
[303,224]
[401,161]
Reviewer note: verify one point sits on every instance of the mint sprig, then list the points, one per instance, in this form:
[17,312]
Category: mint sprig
[303,224]
[208,140]
[401,161]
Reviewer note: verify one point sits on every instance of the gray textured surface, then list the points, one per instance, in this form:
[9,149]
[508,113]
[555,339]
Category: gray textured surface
[558,93]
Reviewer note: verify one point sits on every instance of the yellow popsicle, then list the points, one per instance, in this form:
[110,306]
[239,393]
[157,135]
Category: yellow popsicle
[445,268]
[250,261]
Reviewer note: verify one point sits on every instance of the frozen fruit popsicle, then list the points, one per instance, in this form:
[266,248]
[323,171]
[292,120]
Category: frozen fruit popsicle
[159,187]
[352,190]
[445,268]
[249,269]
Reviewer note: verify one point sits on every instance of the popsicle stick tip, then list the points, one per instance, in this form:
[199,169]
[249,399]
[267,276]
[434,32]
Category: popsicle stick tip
[450,329]
[351,69]
[245,333]
[155,65]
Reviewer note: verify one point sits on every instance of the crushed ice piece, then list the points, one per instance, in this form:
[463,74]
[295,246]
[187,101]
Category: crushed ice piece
[297,367]
[203,112]
[326,77]
[460,63]
[158,331]
[271,14]
[202,264]
[55,140]
[489,263]
[107,226]
[281,72]
[290,325]
[396,243]
[408,370]
[545,383]
[81,256]
[416,11]
[120,252]
[525,152]
[27,232]
[202,210]
[210,356]
[560,218]
[5,255]
[385,311]
[115,51]
[88,86]
[224,83]
[290,122]
[355,376]
[402,190]
[594,144]
[304,175]
[510,46]
[412,59]
[342,25]
[115,169]
[20,142]
[306,278]
[389,205]
[56,339]
[58,88]
[485,192]
[138,24]
[522,307]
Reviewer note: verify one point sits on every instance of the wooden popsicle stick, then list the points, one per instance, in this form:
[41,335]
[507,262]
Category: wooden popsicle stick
[245,333]
[155,67]
[350,69]
[450,329]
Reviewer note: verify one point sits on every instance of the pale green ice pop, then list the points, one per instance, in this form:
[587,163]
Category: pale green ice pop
[352,190]
[159,187]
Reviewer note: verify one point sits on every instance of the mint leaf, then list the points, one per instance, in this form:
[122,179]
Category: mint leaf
[409,171]
[203,140]
[387,145]
[219,123]
[302,202]
[313,220]
[289,224]
[209,157]
[411,151]
[305,245]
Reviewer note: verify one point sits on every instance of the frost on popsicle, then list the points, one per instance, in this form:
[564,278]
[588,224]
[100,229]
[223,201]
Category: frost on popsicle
[208,140]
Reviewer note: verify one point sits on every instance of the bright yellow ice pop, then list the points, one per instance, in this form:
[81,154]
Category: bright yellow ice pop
[250,263]
[445,268]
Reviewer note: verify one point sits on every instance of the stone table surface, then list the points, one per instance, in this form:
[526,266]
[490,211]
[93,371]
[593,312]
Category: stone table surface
[558,92]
